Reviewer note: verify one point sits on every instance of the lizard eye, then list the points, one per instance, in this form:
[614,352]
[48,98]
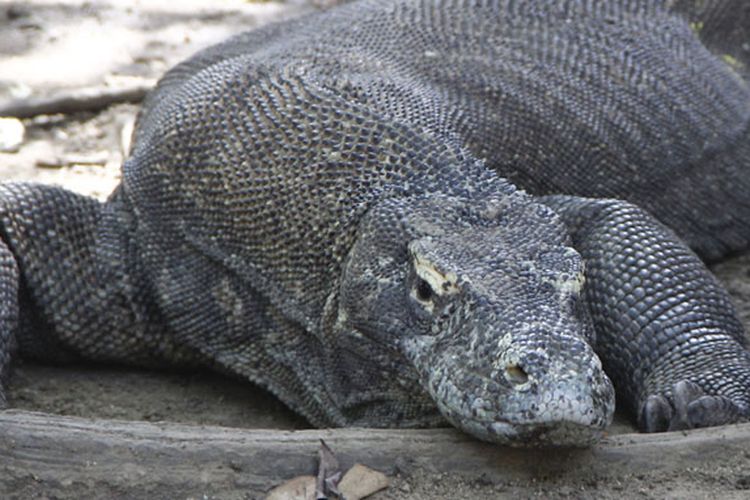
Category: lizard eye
[424,290]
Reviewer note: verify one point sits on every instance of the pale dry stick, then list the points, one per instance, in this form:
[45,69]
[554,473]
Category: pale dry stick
[89,99]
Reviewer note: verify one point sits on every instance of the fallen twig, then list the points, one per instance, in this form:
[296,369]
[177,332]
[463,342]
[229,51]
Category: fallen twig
[90,99]
[99,158]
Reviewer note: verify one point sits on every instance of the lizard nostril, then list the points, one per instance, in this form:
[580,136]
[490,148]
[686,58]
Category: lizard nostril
[516,375]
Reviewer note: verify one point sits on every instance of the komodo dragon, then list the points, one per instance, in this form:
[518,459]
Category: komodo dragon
[382,214]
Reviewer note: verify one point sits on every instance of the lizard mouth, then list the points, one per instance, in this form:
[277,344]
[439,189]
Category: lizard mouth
[525,419]
[538,408]
[543,434]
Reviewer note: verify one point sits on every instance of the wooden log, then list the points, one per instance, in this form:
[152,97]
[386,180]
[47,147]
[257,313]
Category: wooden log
[76,457]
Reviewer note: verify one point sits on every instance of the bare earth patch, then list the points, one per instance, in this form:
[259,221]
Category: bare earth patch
[50,48]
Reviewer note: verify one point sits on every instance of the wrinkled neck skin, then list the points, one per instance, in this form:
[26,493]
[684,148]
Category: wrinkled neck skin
[469,308]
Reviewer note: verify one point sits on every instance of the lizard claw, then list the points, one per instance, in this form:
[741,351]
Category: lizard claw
[708,411]
[656,413]
[688,408]
[684,393]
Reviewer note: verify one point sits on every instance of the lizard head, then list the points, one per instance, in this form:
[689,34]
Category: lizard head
[479,301]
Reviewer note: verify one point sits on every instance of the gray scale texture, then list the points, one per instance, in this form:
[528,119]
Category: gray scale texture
[398,213]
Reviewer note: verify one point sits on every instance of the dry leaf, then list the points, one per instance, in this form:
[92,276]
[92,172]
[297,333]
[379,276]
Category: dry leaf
[11,134]
[328,472]
[299,488]
[360,482]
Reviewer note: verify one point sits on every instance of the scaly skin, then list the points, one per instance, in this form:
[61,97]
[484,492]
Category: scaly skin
[330,209]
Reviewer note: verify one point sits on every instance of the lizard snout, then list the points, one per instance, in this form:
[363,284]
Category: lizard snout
[537,386]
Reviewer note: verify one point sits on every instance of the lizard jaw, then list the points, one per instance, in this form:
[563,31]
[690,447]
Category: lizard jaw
[559,407]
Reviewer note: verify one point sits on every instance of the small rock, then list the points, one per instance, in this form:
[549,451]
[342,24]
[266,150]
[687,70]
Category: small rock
[19,90]
[565,491]
[236,465]
[743,483]
[403,467]
[299,488]
[14,12]
[360,482]
[126,135]
[11,134]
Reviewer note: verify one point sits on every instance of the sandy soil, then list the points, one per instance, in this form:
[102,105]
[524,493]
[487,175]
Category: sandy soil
[47,48]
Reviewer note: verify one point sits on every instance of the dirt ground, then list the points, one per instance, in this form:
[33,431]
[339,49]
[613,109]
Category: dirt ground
[50,47]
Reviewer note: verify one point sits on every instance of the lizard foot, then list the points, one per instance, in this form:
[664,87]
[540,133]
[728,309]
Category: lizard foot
[688,408]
